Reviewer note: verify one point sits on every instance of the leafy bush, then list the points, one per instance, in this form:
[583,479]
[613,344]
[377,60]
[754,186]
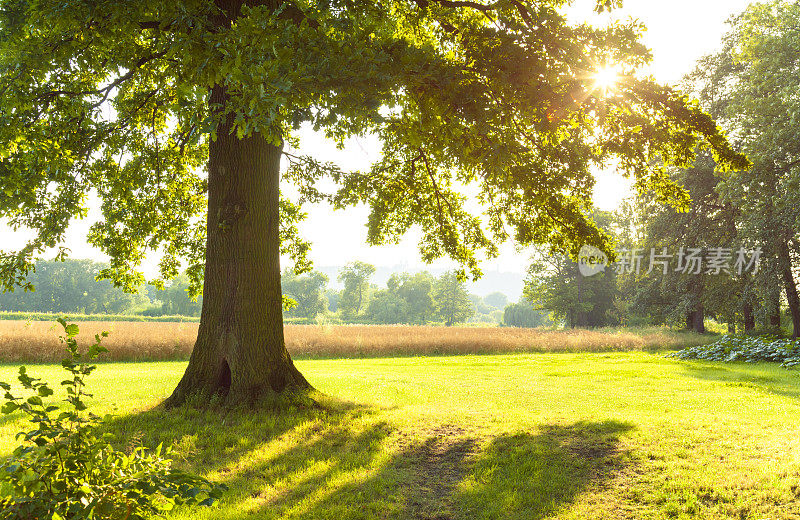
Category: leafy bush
[750,349]
[64,471]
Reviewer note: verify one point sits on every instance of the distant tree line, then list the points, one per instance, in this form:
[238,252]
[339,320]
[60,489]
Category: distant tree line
[408,298]
[71,287]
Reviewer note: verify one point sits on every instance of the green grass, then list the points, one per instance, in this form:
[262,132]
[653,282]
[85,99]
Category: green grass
[528,436]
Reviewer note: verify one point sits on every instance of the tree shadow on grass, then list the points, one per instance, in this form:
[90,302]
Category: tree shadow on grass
[762,377]
[350,463]
[525,476]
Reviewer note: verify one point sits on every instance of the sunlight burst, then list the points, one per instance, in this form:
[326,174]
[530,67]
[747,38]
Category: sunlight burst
[606,77]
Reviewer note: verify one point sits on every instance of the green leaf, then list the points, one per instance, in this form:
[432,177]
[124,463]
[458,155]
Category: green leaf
[9,407]
[71,330]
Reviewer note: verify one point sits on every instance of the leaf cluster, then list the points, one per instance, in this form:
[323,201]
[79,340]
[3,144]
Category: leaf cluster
[64,470]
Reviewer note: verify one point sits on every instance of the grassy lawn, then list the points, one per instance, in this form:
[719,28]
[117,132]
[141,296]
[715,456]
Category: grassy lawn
[524,436]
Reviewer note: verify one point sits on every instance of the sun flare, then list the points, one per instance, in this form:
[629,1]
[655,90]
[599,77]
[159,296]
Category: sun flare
[606,77]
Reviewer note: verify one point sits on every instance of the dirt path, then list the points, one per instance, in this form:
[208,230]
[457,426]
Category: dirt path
[435,468]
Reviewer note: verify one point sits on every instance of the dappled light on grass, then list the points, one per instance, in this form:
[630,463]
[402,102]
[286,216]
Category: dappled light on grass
[353,463]
[567,436]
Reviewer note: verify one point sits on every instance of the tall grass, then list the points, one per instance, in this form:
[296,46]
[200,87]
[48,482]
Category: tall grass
[22,341]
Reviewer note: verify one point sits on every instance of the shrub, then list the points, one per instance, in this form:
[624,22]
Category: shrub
[750,349]
[65,471]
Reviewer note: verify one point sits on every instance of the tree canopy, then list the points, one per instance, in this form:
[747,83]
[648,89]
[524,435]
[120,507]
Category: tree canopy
[114,99]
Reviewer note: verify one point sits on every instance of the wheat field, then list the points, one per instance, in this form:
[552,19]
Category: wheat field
[37,341]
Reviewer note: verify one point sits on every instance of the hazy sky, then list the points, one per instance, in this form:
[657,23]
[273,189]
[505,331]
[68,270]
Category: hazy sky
[679,32]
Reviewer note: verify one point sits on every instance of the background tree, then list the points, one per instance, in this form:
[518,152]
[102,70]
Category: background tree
[750,87]
[554,283]
[333,299]
[354,296]
[416,293]
[497,300]
[669,295]
[176,300]
[307,291]
[524,315]
[175,114]
[387,307]
[451,299]
[70,287]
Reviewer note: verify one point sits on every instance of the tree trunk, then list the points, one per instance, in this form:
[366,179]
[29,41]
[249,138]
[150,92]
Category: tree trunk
[698,319]
[773,310]
[581,317]
[790,287]
[749,317]
[240,352]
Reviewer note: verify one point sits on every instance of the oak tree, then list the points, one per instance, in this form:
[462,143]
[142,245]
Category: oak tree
[175,115]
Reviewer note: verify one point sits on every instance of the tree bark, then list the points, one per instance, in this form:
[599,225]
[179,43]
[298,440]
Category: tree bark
[240,352]
[698,319]
[790,287]
[772,308]
[581,317]
[749,317]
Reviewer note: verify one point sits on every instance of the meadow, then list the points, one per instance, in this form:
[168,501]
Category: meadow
[37,341]
[617,435]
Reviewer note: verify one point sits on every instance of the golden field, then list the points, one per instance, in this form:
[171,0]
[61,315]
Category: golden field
[37,341]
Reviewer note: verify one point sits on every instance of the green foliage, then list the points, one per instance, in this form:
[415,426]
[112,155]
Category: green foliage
[452,299]
[64,471]
[307,292]
[39,316]
[524,315]
[748,349]
[70,286]
[419,299]
[669,297]
[415,293]
[354,297]
[175,299]
[333,297]
[554,283]
[112,98]
[387,307]
[497,300]
[406,299]
[749,86]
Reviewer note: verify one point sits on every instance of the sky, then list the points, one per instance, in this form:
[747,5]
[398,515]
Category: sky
[678,32]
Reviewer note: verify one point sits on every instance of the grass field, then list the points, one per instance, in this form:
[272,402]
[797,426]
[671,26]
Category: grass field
[523,436]
[37,341]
